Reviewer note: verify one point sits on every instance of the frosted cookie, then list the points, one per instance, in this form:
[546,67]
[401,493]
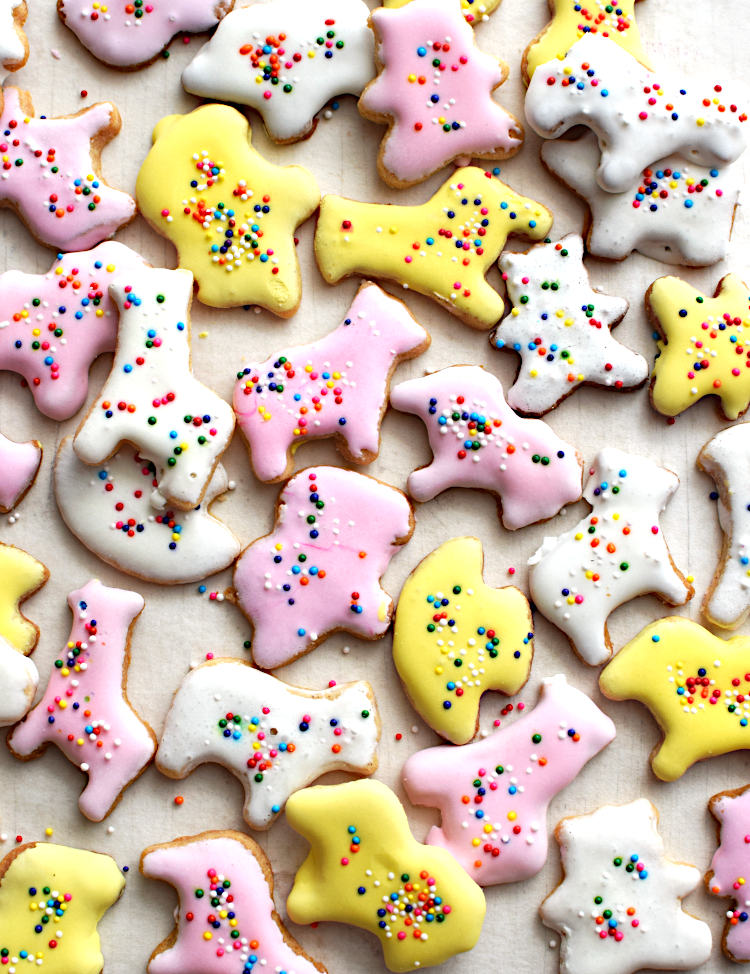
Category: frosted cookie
[230,214]
[365,868]
[674,211]
[108,508]
[493,794]
[51,172]
[226,920]
[52,899]
[619,905]
[14,47]
[638,115]
[704,350]
[441,248]
[19,679]
[85,710]
[695,685]
[286,59]
[318,571]
[131,35]
[612,556]
[337,386]
[474,11]
[19,465]
[455,637]
[478,441]
[20,577]
[561,328]
[729,867]
[151,399]
[273,737]
[434,92]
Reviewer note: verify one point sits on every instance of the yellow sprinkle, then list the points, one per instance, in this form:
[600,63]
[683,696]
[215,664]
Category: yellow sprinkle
[308,368]
[578,536]
[279,546]
[569,322]
[700,122]
[515,312]
[438,670]
[36,332]
[392,229]
[512,816]
[80,742]
[411,78]
[533,373]
[63,705]
[690,578]
[475,842]
[202,334]
[58,270]
[110,268]
[487,828]
[571,600]
[337,375]
[559,313]
[49,831]
[208,935]
[615,517]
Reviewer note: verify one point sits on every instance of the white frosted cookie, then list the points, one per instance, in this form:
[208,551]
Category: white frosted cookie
[19,679]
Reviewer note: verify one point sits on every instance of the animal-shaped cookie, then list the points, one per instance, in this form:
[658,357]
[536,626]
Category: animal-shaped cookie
[455,637]
[51,172]
[19,463]
[227,919]
[474,11]
[493,794]
[434,91]
[441,248]
[619,905]
[286,59]
[52,898]
[729,867]
[478,441]
[365,868]
[20,577]
[152,399]
[274,737]
[85,710]
[613,555]
[230,214]
[704,349]
[696,685]
[319,570]
[561,328]
[336,386]
[638,115]
[14,47]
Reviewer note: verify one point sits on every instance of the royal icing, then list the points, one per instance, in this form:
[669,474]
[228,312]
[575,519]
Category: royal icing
[275,738]
[152,399]
[729,867]
[561,328]
[230,214]
[85,711]
[434,91]
[286,59]
[226,920]
[613,555]
[478,441]
[319,570]
[19,463]
[493,795]
[441,248]
[365,868]
[694,683]
[704,348]
[14,49]
[19,679]
[20,577]
[336,386]
[455,637]
[619,906]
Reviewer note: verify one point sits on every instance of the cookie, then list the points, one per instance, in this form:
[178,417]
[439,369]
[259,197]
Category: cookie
[273,737]
[85,710]
[615,554]
[20,577]
[151,399]
[286,59]
[474,11]
[619,905]
[455,637]
[57,190]
[602,86]
[417,246]
[336,386]
[366,869]
[478,441]
[434,92]
[19,679]
[703,350]
[695,685]
[561,328]
[230,214]
[318,571]
[14,47]
[729,866]
[19,465]
[226,919]
[493,794]
[131,35]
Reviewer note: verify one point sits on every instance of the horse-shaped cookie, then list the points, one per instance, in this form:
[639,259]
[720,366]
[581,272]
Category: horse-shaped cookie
[729,867]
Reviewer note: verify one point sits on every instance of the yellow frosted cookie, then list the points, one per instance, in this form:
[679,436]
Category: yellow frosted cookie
[20,576]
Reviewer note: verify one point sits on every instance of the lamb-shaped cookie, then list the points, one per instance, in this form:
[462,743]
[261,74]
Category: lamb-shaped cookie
[336,386]
[19,463]
[478,441]
[20,577]
[612,556]
[273,737]
[729,867]
[85,710]
[14,47]
[151,399]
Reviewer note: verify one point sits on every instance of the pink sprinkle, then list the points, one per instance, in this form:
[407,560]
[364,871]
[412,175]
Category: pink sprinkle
[643,115]
[209,655]
[266,95]
[579,599]
[654,529]
[407,260]
[401,935]
[524,280]
[165,212]
[331,683]
[635,923]
[456,285]
[344,861]
[511,570]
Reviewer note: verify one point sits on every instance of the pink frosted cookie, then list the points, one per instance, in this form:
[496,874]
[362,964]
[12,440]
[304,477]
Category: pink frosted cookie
[434,91]
[14,47]
[19,463]
[730,867]
[85,710]
[336,386]
[493,795]
[478,441]
[319,570]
